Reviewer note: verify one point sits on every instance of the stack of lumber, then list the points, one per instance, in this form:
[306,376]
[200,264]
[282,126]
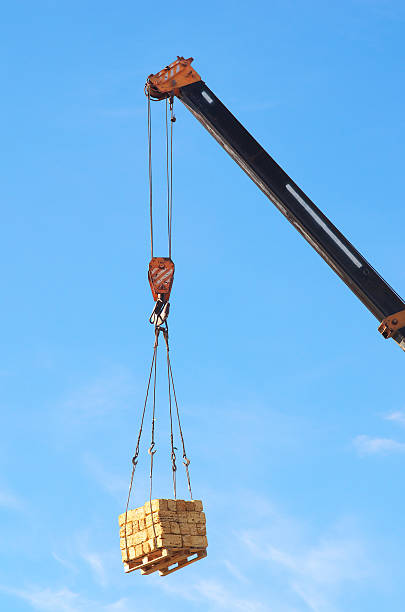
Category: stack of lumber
[163,535]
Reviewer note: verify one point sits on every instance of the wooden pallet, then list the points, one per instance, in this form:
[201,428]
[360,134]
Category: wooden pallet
[165,561]
[191,557]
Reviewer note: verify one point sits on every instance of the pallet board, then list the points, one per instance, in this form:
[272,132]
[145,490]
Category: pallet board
[191,557]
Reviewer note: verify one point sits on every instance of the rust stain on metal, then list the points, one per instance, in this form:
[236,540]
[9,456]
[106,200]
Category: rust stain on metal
[160,275]
[392,323]
[168,81]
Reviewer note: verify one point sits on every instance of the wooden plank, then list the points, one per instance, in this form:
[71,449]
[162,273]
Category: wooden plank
[143,560]
[183,563]
[139,561]
[163,563]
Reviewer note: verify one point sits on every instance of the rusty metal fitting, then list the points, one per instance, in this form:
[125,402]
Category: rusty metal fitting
[392,323]
[167,82]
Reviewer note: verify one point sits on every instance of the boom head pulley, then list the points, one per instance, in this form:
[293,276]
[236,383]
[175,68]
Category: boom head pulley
[167,82]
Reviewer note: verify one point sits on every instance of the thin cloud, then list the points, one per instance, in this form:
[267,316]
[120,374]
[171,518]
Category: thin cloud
[216,594]
[96,564]
[9,500]
[98,399]
[114,484]
[397,417]
[365,445]
[313,600]
[102,563]
[64,600]
[67,564]
[315,572]
[233,569]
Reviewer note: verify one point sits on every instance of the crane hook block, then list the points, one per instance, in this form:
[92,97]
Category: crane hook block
[160,275]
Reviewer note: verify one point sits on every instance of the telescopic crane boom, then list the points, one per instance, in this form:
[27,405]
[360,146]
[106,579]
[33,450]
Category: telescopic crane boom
[181,80]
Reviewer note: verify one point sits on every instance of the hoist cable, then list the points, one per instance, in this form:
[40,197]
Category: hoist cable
[152,450]
[172,120]
[186,460]
[168,182]
[136,454]
[173,448]
[150,172]
[169,173]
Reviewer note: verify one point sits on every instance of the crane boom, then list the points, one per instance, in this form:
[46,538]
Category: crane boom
[383,302]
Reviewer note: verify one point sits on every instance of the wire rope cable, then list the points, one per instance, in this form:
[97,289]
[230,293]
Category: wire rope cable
[186,460]
[173,448]
[150,173]
[136,454]
[169,172]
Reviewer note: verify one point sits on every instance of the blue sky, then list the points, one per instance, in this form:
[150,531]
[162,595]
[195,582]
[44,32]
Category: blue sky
[291,401]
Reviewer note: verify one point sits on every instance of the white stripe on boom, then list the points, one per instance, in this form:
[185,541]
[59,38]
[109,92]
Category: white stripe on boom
[323,225]
[207,97]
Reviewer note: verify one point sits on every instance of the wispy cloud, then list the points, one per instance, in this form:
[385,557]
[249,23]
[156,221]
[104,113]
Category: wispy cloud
[330,561]
[102,563]
[114,484]
[316,572]
[64,600]
[366,445]
[99,398]
[214,593]
[235,571]
[397,417]
[10,500]
[96,564]
[65,563]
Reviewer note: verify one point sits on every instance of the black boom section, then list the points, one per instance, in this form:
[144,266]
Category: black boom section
[316,228]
